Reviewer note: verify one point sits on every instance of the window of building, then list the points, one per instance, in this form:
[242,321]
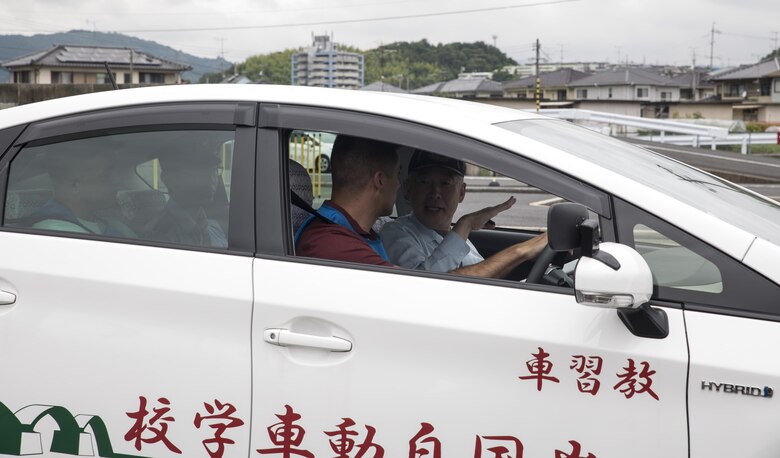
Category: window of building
[103,78]
[168,186]
[151,78]
[765,87]
[128,78]
[666,95]
[582,93]
[734,90]
[62,77]
[642,92]
[22,77]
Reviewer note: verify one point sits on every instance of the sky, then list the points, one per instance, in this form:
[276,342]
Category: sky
[638,31]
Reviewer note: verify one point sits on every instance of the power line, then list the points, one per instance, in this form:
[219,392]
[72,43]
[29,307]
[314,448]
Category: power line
[348,21]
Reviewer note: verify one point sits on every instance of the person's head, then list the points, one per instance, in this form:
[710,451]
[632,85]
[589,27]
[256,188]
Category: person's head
[83,178]
[191,176]
[434,188]
[366,169]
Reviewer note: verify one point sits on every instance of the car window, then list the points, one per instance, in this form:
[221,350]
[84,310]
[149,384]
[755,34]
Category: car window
[483,188]
[165,186]
[688,270]
[674,265]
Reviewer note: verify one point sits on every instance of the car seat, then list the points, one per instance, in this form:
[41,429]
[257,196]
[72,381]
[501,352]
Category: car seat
[300,184]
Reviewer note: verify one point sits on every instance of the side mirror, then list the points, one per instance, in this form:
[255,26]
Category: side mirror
[626,288]
[599,284]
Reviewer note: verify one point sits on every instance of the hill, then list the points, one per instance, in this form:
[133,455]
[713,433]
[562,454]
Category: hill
[12,46]
[407,64]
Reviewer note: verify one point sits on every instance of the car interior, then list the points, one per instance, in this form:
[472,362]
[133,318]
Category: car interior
[135,178]
[488,241]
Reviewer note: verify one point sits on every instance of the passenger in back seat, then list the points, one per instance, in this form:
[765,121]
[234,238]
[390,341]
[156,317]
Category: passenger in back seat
[192,181]
[83,194]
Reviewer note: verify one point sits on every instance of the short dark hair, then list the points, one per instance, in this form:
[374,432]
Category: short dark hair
[355,159]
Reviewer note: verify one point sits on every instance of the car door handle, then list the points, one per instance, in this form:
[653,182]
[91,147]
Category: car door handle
[7,298]
[287,338]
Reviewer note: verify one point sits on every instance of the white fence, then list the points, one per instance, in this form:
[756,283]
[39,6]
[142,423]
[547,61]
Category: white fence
[692,134]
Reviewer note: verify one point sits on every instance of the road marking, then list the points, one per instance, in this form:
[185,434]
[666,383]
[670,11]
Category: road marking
[546,202]
[713,156]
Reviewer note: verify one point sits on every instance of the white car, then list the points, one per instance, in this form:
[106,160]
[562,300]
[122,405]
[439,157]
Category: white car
[312,149]
[151,303]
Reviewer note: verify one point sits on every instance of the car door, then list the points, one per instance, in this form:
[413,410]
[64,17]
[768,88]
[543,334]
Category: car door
[731,319]
[359,361]
[126,342]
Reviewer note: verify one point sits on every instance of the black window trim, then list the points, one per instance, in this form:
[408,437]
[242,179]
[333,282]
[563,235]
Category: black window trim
[274,239]
[238,116]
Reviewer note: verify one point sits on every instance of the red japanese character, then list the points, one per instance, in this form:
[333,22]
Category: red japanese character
[575,452]
[498,450]
[158,432]
[587,367]
[286,435]
[219,419]
[631,378]
[540,367]
[343,444]
[425,445]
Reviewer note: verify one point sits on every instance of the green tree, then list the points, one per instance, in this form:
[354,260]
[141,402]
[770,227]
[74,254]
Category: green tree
[273,68]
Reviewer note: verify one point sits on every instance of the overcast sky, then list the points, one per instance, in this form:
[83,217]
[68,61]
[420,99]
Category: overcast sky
[651,31]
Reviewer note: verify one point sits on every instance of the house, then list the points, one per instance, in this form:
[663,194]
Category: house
[625,84]
[67,64]
[554,85]
[236,79]
[754,91]
[694,86]
[463,88]
[381,86]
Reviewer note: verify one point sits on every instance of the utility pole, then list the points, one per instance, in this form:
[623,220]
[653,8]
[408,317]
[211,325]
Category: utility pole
[712,42]
[538,80]
[693,74]
[221,54]
[775,49]
[496,36]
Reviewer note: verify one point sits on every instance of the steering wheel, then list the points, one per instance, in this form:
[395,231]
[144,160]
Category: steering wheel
[541,263]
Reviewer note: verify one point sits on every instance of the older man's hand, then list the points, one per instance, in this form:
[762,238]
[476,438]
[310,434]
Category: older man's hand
[479,218]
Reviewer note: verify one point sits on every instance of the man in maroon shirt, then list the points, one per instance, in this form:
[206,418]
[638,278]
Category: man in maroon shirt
[365,181]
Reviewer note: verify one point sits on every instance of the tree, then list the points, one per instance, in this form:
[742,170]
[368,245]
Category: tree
[273,68]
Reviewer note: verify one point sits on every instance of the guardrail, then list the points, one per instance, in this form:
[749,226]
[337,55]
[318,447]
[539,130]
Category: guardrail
[743,139]
[692,134]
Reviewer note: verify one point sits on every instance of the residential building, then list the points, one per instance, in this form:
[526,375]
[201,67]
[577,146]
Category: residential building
[626,84]
[554,86]
[323,65]
[529,68]
[68,64]
[754,91]
[695,85]
[381,86]
[463,88]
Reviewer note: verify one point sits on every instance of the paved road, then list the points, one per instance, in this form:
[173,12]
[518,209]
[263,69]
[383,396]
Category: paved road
[732,166]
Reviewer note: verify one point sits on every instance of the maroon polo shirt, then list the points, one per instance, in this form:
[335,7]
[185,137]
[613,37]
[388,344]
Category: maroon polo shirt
[333,241]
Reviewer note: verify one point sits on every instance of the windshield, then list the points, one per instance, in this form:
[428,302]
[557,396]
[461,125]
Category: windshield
[716,196]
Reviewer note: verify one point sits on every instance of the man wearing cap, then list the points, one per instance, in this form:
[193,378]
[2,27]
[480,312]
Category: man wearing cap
[426,239]
[192,178]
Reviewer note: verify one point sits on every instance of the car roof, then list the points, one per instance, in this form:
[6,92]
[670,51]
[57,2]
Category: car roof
[405,106]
